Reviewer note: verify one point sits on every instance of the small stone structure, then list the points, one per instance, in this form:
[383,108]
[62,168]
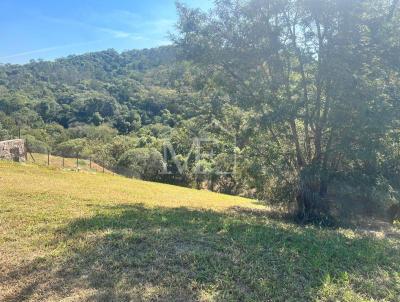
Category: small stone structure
[14,150]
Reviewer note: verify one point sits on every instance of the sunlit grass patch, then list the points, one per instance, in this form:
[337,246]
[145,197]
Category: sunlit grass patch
[65,163]
[90,237]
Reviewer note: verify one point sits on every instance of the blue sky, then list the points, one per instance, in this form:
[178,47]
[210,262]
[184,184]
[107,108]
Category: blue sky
[48,29]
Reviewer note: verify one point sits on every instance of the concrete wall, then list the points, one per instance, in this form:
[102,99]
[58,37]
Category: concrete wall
[13,150]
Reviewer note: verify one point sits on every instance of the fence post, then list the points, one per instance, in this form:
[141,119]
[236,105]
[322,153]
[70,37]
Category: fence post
[77,161]
[63,162]
[103,166]
[48,157]
[90,163]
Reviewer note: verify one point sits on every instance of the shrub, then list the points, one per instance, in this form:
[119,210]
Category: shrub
[143,163]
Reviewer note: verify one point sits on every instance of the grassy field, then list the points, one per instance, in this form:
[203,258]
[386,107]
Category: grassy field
[68,236]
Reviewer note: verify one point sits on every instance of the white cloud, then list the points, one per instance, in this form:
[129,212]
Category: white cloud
[133,22]
[116,24]
[45,50]
[115,33]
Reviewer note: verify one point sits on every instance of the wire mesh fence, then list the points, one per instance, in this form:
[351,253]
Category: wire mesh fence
[32,152]
[76,163]
[38,154]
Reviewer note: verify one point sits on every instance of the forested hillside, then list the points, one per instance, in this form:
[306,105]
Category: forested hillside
[124,90]
[122,109]
[286,101]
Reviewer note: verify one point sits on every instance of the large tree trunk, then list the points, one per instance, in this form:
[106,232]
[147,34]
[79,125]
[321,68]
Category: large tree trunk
[311,204]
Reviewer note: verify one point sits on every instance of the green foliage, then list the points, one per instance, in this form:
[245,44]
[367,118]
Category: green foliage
[142,163]
[317,76]
[72,148]
[4,134]
[35,145]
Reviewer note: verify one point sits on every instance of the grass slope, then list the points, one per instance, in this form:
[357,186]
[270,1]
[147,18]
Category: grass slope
[92,237]
[67,163]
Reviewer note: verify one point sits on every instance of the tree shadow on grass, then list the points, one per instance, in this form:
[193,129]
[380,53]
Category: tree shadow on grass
[133,253]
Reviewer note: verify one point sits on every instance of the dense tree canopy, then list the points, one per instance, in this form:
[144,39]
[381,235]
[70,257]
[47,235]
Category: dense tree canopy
[320,77]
